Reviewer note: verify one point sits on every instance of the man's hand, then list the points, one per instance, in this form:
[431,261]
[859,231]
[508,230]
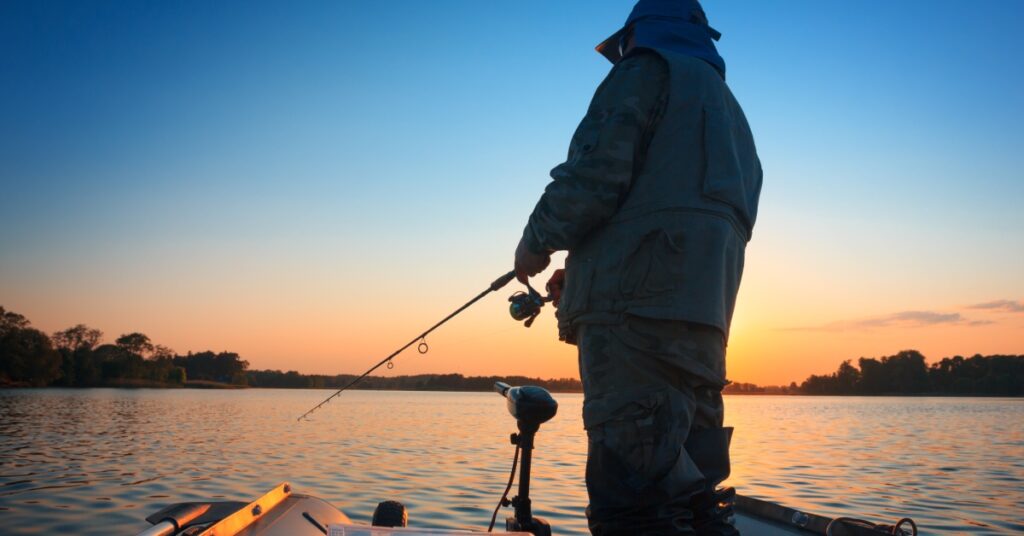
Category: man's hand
[528,263]
[555,286]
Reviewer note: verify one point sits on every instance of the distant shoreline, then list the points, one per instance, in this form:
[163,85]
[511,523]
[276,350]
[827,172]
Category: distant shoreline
[201,384]
[132,384]
[75,357]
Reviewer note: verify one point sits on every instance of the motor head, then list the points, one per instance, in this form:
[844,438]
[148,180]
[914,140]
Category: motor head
[529,404]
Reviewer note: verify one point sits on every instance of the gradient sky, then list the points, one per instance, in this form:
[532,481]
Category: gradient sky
[311,185]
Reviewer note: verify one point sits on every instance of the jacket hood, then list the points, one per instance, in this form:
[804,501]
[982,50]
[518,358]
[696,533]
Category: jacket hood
[675,25]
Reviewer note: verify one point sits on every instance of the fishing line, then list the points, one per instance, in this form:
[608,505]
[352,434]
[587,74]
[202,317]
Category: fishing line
[422,347]
[479,335]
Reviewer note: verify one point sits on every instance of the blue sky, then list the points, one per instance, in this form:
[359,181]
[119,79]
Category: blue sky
[334,158]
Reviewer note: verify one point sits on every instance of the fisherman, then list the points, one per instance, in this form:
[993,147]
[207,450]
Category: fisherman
[655,205]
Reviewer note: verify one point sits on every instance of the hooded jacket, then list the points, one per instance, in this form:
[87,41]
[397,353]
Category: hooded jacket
[655,215]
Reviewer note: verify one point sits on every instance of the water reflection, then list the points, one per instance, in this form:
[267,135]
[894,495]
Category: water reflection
[98,461]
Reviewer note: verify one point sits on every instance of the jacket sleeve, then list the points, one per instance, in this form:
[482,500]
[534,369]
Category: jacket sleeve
[605,154]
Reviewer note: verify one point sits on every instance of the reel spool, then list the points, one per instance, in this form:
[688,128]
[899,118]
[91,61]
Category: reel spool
[526,306]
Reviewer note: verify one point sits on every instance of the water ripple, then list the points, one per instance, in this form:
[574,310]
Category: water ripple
[98,461]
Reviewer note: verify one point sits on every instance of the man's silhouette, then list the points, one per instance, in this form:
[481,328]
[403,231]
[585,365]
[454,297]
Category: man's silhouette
[655,205]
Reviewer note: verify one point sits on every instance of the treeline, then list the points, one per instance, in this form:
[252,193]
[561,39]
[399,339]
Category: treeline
[741,388]
[906,373]
[74,357]
[419,382]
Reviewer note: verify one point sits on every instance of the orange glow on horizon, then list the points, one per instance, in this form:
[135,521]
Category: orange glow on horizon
[348,328]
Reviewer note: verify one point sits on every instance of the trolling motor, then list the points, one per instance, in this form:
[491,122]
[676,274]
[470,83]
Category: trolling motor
[527,305]
[530,406]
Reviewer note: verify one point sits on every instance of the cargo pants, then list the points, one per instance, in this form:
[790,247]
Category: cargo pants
[647,385]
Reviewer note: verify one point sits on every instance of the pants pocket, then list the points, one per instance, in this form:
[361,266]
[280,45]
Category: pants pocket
[636,444]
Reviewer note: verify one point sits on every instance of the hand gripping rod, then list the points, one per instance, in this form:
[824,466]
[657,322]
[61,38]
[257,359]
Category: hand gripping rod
[497,284]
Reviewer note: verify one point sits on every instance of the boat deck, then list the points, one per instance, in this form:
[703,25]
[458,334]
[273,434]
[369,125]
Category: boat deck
[283,513]
[761,527]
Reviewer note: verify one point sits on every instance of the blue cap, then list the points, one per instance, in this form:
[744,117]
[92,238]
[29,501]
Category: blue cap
[676,25]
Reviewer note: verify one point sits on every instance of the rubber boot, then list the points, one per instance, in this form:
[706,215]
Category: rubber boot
[712,506]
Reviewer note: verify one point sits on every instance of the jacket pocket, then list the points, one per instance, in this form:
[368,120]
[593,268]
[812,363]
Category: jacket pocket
[654,267]
[733,174]
[576,295]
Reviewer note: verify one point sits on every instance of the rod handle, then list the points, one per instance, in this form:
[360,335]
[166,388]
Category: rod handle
[503,280]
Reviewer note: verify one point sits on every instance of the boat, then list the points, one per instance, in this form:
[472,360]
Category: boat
[282,511]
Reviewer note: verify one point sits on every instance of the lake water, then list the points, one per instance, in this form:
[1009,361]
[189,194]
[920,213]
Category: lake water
[98,461]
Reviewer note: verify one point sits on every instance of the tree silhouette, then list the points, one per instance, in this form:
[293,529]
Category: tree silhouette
[10,320]
[77,338]
[135,343]
[907,373]
[27,356]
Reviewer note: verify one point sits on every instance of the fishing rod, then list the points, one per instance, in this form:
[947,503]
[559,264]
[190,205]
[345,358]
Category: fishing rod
[524,306]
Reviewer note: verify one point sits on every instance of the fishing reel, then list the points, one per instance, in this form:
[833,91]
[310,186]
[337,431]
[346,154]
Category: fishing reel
[526,305]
